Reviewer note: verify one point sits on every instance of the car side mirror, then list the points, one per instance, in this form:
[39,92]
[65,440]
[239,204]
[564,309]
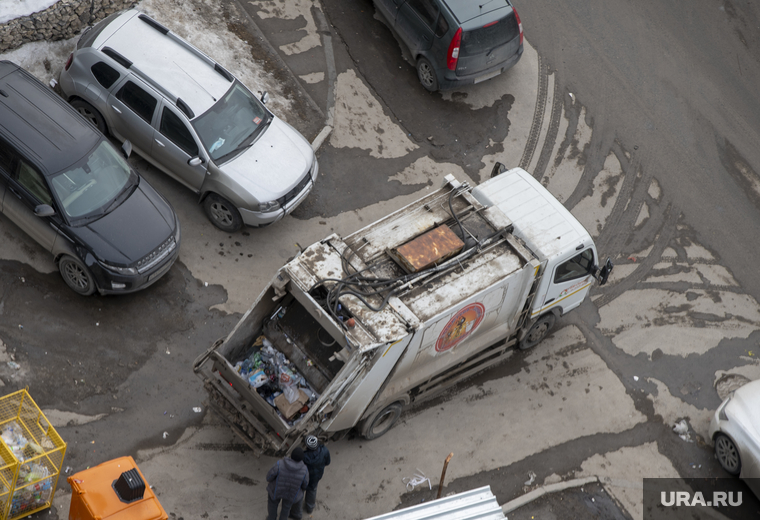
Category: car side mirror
[44,210]
[127,148]
[265,97]
[195,161]
[498,169]
[604,272]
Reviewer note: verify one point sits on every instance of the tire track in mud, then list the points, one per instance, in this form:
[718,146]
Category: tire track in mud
[628,206]
[666,233]
[551,133]
[538,114]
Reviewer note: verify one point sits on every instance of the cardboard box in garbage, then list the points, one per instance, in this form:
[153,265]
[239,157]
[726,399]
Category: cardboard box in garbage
[287,409]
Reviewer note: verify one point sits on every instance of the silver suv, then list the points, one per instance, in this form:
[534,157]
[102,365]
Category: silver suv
[191,118]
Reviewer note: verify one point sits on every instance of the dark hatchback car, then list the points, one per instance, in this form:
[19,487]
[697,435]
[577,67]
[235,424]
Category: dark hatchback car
[65,185]
[456,42]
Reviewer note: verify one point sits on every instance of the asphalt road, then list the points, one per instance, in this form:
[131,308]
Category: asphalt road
[642,119]
[677,86]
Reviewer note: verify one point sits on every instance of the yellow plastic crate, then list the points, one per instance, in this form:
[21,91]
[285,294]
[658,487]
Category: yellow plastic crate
[32,456]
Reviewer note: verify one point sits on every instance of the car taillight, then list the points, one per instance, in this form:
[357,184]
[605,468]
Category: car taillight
[519,25]
[68,62]
[453,56]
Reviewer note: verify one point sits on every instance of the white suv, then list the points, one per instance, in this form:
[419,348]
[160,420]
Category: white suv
[191,118]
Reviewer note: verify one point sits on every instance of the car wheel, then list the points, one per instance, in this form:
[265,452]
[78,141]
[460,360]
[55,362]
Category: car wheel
[91,114]
[426,73]
[727,454]
[382,421]
[538,332]
[76,275]
[222,213]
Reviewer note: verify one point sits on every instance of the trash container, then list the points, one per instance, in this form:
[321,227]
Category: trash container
[31,456]
[113,490]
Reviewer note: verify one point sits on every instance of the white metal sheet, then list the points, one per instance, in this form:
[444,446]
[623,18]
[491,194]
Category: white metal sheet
[476,504]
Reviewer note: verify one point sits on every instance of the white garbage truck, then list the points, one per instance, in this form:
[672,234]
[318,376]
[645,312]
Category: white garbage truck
[356,328]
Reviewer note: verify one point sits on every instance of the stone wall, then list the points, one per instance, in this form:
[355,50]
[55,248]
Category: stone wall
[62,20]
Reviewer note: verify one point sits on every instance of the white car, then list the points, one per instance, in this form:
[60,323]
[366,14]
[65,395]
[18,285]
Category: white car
[735,430]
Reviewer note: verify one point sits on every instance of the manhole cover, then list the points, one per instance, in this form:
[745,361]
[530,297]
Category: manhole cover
[728,383]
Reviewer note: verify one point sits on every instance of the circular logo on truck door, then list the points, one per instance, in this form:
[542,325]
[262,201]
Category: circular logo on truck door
[461,325]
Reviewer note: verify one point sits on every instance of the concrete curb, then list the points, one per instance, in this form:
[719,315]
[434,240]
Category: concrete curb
[545,490]
[251,23]
[321,138]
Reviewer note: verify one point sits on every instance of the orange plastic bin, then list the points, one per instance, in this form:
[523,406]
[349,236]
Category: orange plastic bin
[114,490]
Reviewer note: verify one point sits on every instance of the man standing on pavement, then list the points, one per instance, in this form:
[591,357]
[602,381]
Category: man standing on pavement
[316,458]
[286,480]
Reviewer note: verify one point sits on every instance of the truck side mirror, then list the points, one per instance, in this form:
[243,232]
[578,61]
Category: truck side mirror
[264,97]
[127,148]
[498,169]
[604,272]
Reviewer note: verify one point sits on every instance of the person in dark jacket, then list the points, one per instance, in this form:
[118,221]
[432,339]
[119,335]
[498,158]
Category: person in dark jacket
[316,457]
[287,478]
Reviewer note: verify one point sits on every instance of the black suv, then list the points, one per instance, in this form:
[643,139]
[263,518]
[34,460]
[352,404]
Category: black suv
[65,185]
[456,42]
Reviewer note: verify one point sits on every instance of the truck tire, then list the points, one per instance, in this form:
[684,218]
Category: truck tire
[537,332]
[379,424]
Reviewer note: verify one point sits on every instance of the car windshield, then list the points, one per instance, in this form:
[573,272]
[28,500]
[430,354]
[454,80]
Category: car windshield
[231,123]
[91,186]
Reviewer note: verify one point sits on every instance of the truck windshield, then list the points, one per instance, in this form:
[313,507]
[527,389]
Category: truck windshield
[232,123]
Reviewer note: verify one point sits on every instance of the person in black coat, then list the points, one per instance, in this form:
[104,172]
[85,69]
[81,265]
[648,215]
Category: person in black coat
[316,457]
[287,478]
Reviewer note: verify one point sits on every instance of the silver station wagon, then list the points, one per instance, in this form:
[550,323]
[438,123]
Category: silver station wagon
[191,118]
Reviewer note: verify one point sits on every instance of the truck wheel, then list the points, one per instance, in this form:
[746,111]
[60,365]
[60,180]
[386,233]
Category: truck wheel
[381,422]
[537,332]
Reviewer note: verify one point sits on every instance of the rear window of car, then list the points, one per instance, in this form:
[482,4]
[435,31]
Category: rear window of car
[489,36]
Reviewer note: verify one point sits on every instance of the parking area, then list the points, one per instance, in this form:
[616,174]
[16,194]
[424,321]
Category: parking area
[598,398]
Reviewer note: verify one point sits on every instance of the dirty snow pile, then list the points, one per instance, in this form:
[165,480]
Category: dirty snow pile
[201,22]
[12,9]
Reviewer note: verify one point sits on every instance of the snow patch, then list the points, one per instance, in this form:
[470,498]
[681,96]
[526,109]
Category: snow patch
[12,9]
